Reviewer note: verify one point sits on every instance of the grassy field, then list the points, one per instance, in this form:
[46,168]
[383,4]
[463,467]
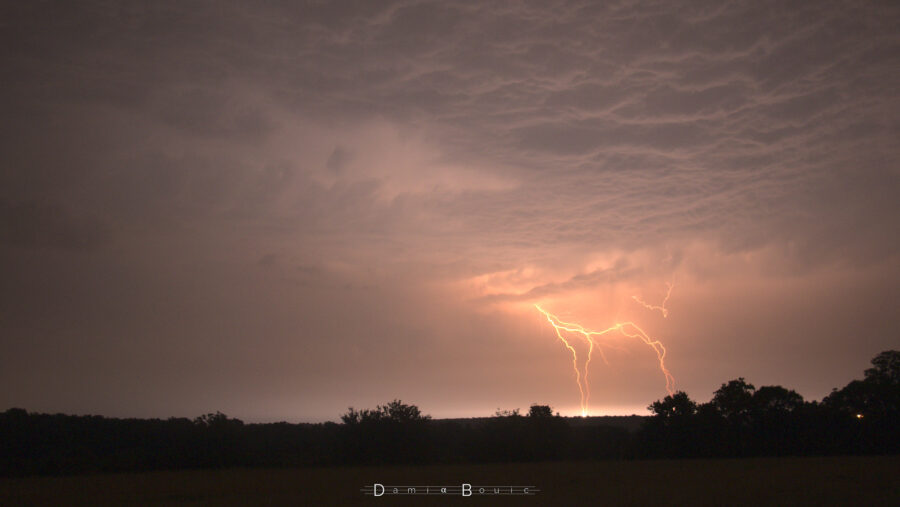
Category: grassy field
[766,481]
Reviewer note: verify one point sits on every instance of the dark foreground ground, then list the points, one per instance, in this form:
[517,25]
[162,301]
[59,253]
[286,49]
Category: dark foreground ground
[764,481]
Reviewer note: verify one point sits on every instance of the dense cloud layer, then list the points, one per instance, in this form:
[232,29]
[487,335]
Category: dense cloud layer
[280,210]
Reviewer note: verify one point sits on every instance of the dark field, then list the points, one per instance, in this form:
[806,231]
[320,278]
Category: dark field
[764,481]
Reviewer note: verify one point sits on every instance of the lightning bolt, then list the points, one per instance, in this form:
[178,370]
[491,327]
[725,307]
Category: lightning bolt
[662,308]
[591,337]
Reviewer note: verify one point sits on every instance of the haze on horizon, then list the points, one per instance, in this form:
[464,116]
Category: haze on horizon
[280,211]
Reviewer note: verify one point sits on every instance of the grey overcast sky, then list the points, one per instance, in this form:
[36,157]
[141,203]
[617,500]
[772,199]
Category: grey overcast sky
[280,209]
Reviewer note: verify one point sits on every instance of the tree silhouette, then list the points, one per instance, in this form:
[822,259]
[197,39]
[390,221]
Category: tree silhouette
[540,411]
[676,405]
[391,433]
[400,412]
[395,411]
[776,399]
[354,416]
[217,420]
[734,399]
[876,397]
[886,368]
[866,413]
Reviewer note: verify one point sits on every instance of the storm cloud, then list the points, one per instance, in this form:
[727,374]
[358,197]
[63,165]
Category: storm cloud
[280,210]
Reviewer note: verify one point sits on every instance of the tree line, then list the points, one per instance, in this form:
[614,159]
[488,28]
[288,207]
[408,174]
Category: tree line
[740,420]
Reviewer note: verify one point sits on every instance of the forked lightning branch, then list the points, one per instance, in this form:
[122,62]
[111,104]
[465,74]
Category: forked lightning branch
[565,331]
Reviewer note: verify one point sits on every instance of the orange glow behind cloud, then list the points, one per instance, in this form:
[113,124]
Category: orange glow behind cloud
[603,290]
